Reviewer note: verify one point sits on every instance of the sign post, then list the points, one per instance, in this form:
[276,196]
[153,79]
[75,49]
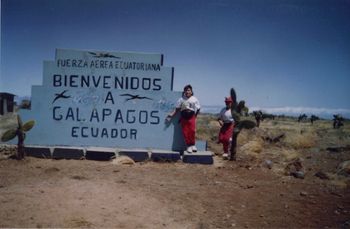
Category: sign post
[106,99]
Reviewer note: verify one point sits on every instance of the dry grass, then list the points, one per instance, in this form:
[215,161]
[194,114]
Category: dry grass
[300,141]
[290,154]
[339,181]
[79,222]
[207,127]
[252,148]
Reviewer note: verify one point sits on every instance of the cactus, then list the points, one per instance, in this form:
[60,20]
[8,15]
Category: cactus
[245,111]
[258,117]
[20,133]
[237,110]
[337,121]
[302,117]
[313,118]
[246,124]
[8,135]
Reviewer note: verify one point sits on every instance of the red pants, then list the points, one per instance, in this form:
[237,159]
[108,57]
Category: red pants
[189,130]
[224,136]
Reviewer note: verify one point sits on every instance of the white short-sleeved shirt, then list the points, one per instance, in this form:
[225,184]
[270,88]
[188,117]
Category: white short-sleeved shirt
[191,103]
[225,115]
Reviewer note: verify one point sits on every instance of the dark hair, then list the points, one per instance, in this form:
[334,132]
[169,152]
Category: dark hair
[188,86]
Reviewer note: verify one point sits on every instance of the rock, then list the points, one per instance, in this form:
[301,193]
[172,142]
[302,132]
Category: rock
[338,149]
[294,167]
[344,168]
[322,175]
[298,174]
[346,224]
[336,194]
[123,160]
[268,164]
[303,193]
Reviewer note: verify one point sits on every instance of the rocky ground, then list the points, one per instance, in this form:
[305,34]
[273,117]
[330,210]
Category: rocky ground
[295,181]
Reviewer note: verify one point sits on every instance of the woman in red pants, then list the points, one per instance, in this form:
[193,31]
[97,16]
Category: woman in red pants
[227,123]
[189,107]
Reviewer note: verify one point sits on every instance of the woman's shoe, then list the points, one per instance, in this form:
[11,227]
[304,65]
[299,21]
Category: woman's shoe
[189,149]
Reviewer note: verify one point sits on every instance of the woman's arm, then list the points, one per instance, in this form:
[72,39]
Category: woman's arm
[171,114]
[220,122]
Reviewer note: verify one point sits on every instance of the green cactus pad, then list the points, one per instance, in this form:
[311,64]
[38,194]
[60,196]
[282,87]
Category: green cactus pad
[246,124]
[234,98]
[8,135]
[245,110]
[28,125]
[240,106]
[19,120]
[233,95]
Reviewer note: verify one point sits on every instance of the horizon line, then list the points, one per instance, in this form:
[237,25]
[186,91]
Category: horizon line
[289,110]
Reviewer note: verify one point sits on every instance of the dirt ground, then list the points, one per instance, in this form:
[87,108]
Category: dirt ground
[253,192]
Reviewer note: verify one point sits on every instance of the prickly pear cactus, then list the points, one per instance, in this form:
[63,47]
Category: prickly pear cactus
[28,125]
[8,135]
[246,124]
[237,111]
[20,133]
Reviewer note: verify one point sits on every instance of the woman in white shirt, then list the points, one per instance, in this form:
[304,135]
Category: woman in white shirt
[189,107]
[227,123]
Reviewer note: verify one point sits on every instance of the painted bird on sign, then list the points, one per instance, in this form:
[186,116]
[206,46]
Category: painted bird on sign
[132,97]
[61,95]
[103,55]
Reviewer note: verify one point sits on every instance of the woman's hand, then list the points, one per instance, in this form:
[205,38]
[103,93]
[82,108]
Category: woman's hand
[168,117]
[221,123]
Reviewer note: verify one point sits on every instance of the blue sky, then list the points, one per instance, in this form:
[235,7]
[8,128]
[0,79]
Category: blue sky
[275,53]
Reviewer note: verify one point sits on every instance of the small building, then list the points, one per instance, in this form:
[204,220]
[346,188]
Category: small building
[6,103]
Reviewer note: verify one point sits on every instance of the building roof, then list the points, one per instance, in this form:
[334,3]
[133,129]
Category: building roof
[6,95]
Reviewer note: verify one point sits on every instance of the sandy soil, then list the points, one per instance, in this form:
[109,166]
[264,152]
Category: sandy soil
[248,193]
